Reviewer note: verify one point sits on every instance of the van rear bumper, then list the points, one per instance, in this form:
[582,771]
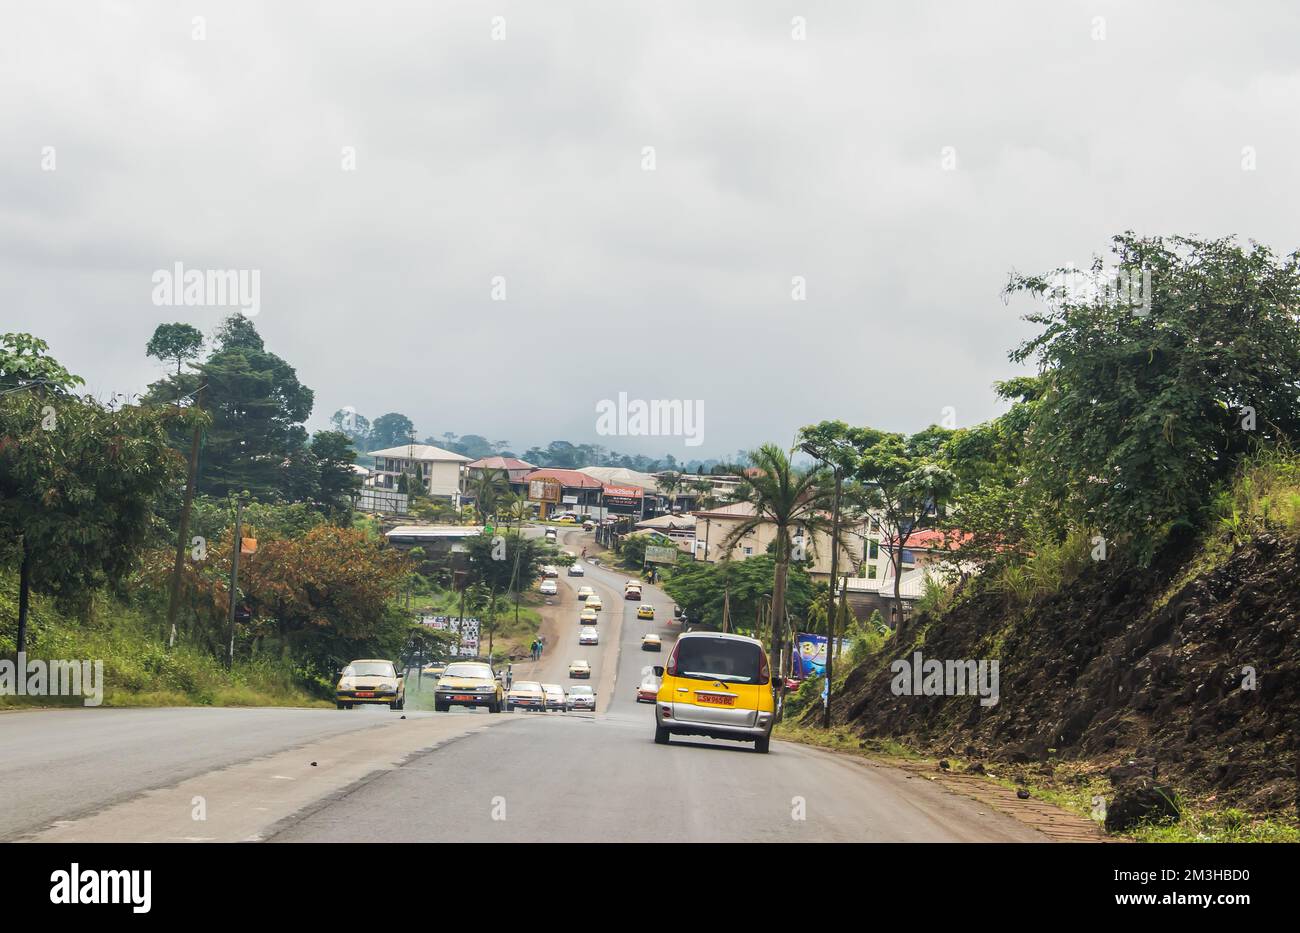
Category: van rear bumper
[711,729]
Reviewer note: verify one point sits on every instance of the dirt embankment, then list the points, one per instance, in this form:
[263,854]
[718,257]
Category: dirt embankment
[1095,674]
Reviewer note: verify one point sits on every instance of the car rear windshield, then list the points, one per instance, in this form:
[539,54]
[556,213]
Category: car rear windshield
[720,659]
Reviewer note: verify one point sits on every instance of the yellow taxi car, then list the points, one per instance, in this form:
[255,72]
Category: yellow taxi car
[594,602]
[370,680]
[588,616]
[469,683]
[645,611]
[716,685]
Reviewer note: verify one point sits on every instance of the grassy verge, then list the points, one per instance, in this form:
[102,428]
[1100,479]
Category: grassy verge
[1072,788]
[138,670]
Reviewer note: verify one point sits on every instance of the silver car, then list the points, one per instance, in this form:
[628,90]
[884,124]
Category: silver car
[582,697]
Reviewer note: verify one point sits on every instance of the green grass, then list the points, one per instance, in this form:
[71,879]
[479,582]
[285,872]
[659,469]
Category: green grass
[138,669]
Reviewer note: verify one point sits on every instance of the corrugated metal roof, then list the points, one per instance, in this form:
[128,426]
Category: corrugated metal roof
[419,452]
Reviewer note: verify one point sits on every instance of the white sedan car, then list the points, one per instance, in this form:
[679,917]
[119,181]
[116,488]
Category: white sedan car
[576,570]
[548,588]
[588,635]
[582,697]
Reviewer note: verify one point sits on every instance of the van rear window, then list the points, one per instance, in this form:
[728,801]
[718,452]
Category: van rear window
[720,659]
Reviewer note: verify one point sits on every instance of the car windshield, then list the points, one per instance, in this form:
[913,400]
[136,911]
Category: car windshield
[369,669]
[720,659]
[467,670]
[527,686]
[585,691]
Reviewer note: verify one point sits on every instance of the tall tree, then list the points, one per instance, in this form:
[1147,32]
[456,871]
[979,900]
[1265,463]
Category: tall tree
[789,500]
[78,481]
[1153,392]
[178,343]
[257,406]
[391,430]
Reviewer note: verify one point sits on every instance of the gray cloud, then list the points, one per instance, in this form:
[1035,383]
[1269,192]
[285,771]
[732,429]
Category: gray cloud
[522,158]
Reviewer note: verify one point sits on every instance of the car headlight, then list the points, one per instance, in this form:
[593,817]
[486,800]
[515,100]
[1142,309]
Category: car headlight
[345,684]
[388,686]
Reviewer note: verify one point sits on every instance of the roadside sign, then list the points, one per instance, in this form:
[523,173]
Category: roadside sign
[544,490]
[660,555]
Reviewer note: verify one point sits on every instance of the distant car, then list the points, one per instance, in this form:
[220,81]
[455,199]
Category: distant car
[526,694]
[577,570]
[645,611]
[550,534]
[370,680]
[588,616]
[565,520]
[650,642]
[648,691]
[555,698]
[550,570]
[468,683]
[433,670]
[584,592]
[548,588]
[588,635]
[594,602]
[588,526]
[579,668]
[582,697]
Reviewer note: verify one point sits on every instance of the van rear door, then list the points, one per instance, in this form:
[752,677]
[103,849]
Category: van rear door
[719,681]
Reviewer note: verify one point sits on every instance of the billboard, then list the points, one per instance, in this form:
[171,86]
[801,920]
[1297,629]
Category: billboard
[655,554]
[544,490]
[622,497]
[810,655]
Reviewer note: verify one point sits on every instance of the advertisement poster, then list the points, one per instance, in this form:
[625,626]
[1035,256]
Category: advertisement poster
[810,656]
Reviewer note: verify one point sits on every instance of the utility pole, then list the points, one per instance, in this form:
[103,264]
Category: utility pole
[830,608]
[173,605]
[234,578]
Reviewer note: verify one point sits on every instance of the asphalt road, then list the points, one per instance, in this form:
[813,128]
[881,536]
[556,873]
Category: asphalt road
[105,774]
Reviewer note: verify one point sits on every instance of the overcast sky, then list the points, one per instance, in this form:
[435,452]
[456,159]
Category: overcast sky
[524,158]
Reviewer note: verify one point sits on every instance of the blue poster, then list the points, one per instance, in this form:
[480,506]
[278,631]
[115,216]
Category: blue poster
[810,655]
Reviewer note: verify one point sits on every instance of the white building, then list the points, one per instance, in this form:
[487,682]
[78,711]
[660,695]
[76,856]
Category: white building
[442,471]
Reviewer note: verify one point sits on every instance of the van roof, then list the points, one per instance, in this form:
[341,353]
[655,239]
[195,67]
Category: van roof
[727,635]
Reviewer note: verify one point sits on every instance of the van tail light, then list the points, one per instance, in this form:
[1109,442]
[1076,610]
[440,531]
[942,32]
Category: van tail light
[671,667]
[764,674]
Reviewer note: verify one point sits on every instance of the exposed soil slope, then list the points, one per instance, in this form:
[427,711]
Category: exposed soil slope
[1095,673]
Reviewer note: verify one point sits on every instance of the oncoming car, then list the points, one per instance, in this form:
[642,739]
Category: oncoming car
[548,588]
[651,642]
[588,635]
[588,616]
[582,697]
[526,694]
[370,680]
[576,570]
[555,698]
[468,683]
[645,611]
[715,685]
[579,668]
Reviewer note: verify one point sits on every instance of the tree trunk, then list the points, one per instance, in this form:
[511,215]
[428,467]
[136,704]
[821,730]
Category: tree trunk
[778,627]
[24,596]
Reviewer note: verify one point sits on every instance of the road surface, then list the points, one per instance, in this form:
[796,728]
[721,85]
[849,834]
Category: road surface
[364,775]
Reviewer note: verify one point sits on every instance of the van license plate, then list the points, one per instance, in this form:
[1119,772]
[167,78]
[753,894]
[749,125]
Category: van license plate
[715,699]
[462,697]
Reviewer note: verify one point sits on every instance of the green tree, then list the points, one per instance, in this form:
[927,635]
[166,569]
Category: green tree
[1146,404]
[391,430]
[77,485]
[24,360]
[789,500]
[177,343]
[257,406]
[489,488]
[905,478]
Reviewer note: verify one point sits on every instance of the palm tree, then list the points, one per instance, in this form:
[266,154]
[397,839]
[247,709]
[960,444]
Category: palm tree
[671,484]
[790,500]
[488,487]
